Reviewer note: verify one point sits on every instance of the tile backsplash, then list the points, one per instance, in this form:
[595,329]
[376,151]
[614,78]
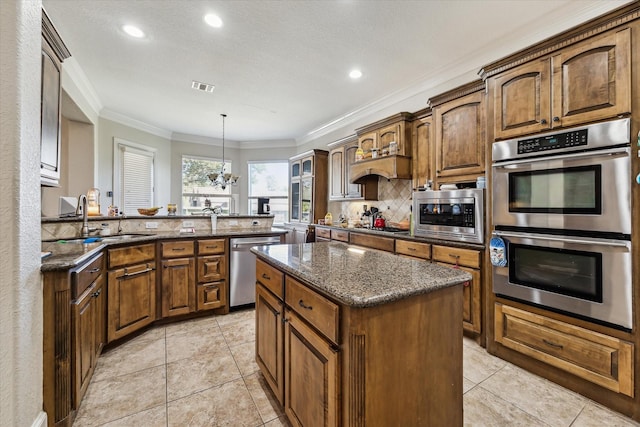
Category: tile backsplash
[394,201]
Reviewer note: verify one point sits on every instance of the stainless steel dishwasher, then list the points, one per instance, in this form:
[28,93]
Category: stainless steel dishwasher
[243,268]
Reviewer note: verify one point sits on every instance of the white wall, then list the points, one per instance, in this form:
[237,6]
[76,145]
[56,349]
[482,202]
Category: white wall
[20,284]
[107,131]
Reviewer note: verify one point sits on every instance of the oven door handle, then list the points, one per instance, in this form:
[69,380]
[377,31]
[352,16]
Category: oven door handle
[566,239]
[612,152]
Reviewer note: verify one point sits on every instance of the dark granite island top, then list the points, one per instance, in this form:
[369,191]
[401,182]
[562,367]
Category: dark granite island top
[359,277]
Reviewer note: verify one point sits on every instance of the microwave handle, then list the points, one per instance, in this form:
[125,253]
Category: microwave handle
[607,242]
[625,151]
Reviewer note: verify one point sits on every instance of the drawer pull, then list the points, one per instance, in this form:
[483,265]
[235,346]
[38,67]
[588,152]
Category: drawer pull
[554,345]
[94,270]
[97,293]
[211,247]
[412,248]
[178,249]
[265,276]
[457,257]
[303,305]
[127,274]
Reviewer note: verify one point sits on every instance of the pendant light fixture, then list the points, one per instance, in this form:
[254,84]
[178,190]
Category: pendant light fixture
[223,179]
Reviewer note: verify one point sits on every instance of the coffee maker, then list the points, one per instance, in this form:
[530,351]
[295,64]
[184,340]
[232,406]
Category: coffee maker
[263,206]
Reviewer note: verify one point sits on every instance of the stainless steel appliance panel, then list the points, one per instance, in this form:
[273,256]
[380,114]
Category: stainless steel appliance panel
[573,291]
[242,286]
[562,189]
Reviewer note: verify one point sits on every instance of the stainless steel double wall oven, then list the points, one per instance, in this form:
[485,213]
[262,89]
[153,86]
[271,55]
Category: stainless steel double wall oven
[562,205]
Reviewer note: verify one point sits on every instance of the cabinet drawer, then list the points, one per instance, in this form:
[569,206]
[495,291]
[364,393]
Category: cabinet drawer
[270,277]
[595,357]
[173,249]
[374,242]
[212,268]
[323,232]
[313,307]
[210,247]
[85,276]
[414,249]
[340,235]
[129,255]
[466,257]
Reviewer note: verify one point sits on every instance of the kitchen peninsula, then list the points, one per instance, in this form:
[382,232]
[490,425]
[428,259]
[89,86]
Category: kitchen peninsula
[353,336]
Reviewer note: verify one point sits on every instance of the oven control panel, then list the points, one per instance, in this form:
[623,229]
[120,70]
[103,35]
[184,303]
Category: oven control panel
[553,142]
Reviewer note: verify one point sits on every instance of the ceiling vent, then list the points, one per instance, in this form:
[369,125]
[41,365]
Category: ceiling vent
[202,86]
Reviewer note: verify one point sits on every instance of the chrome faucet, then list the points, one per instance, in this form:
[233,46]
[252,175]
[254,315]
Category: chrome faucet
[82,204]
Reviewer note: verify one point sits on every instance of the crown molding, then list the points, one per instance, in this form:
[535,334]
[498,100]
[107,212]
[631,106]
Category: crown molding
[133,123]
[79,88]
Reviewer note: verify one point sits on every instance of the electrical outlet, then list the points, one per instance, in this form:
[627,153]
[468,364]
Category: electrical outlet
[151,225]
[233,222]
[187,224]
[255,222]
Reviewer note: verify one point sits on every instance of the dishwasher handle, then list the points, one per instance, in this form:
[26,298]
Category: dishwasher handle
[252,244]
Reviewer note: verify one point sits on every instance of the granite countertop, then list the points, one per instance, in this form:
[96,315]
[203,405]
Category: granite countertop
[76,218]
[404,235]
[68,255]
[359,277]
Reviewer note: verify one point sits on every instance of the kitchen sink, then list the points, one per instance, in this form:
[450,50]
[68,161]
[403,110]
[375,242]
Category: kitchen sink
[106,239]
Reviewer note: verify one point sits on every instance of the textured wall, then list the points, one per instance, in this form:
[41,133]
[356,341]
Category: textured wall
[20,283]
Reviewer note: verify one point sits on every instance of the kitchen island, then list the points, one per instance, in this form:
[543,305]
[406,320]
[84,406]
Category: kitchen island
[354,336]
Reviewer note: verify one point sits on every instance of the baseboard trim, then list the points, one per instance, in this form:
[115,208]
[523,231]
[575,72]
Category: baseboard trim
[41,420]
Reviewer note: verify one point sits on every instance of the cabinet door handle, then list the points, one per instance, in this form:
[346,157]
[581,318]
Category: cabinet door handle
[94,270]
[556,119]
[303,305]
[543,121]
[97,293]
[264,276]
[127,274]
[552,344]
[466,284]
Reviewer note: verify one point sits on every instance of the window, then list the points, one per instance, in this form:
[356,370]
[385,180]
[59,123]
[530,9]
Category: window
[270,180]
[197,191]
[133,176]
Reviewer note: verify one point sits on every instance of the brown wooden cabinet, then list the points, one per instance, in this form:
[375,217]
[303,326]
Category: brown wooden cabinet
[308,179]
[468,260]
[373,241]
[270,339]
[54,52]
[413,249]
[178,277]
[131,285]
[212,280]
[311,376]
[582,83]
[460,141]
[378,135]
[599,358]
[422,128]
[341,160]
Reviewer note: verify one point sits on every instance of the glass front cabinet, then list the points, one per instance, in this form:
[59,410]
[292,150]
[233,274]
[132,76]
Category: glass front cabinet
[308,182]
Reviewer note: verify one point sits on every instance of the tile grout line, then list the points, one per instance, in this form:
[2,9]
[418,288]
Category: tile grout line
[166,380]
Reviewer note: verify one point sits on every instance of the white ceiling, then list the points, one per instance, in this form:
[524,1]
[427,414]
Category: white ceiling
[281,67]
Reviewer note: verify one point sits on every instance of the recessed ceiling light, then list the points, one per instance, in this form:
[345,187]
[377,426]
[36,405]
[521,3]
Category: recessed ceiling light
[355,74]
[133,31]
[213,20]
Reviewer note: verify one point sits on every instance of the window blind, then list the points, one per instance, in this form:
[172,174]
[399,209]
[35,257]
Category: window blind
[136,179]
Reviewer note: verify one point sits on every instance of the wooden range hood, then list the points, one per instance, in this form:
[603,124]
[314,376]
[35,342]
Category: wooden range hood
[390,167]
[378,136]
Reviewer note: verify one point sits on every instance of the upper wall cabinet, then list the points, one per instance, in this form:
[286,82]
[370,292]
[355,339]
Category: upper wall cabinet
[582,83]
[386,146]
[53,53]
[459,119]
[308,187]
[341,159]
[421,133]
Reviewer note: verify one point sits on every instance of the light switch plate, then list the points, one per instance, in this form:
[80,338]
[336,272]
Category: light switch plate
[151,225]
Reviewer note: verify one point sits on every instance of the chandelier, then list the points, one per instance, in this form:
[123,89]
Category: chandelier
[223,179]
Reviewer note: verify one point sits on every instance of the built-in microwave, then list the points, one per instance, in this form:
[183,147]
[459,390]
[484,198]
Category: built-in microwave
[449,214]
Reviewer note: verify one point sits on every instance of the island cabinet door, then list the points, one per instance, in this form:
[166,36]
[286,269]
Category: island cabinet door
[131,299]
[311,376]
[269,338]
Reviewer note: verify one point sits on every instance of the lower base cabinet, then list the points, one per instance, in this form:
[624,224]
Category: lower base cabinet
[595,357]
[311,375]
[269,331]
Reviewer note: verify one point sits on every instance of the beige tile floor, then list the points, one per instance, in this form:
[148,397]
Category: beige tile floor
[202,373]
